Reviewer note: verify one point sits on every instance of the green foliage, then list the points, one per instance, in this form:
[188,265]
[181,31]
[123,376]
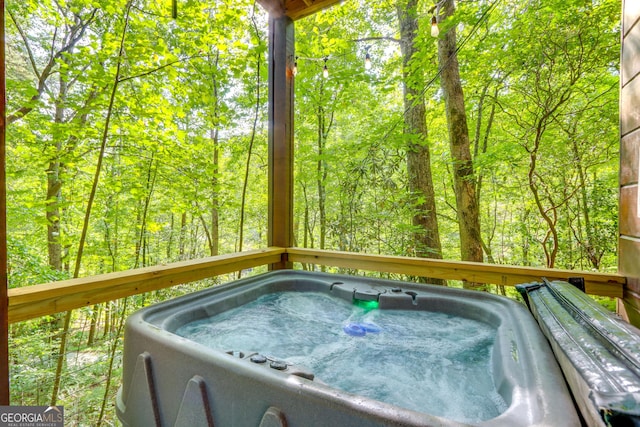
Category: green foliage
[518,60]
[28,267]
[185,81]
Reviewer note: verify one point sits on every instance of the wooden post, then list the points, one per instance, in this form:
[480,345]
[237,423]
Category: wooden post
[4,300]
[281,87]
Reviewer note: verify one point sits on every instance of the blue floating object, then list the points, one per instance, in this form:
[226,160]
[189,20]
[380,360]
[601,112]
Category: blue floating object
[354,329]
[370,327]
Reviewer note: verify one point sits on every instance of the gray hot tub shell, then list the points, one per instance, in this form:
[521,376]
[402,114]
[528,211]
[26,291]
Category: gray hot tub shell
[172,381]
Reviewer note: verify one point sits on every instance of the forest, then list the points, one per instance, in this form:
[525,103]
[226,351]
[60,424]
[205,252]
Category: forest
[474,130]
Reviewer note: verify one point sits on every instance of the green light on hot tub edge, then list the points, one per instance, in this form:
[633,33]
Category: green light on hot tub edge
[369,305]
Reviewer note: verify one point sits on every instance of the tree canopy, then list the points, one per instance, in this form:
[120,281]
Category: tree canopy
[136,138]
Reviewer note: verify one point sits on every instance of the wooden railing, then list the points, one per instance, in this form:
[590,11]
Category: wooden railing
[34,301]
[40,300]
[603,284]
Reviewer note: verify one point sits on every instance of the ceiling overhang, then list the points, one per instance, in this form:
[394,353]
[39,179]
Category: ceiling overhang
[296,9]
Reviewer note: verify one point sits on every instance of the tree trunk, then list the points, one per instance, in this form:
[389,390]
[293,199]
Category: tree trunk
[463,175]
[308,231]
[142,244]
[182,237]
[426,238]
[549,243]
[54,185]
[252,139]
[588,244]
[112,356]
[214,234]
[170,240]
[215,200]
[93,325]
[249,153]
[482,148]
[54,194]
[108,314]
[321,177]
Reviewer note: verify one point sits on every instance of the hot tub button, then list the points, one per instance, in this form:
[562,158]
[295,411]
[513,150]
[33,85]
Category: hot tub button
[279,365]
[258,358]
[235,353]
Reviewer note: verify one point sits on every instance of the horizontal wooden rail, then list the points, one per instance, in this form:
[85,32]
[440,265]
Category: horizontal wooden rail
[34,301]
[39,300]
[603,284]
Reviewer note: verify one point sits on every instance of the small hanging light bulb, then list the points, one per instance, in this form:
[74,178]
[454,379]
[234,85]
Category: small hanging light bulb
[367,60]
[325,70]
[435,31]
[294,71]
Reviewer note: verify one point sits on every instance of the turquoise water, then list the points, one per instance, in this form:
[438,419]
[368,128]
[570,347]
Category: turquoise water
[424,361]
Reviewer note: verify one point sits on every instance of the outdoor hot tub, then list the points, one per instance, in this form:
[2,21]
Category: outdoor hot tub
[293,348]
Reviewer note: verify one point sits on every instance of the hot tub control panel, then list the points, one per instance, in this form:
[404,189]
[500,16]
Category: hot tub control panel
[270,362]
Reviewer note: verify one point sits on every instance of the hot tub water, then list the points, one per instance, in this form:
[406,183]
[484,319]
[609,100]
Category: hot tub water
[419,360]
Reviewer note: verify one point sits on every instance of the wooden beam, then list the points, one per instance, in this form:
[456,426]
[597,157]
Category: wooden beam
[275,8]
[295,9]
[610,285]
[34,301]
[4,301]
[281,87]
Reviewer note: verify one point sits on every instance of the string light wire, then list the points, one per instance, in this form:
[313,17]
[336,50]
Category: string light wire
[474,29]
[485,15]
